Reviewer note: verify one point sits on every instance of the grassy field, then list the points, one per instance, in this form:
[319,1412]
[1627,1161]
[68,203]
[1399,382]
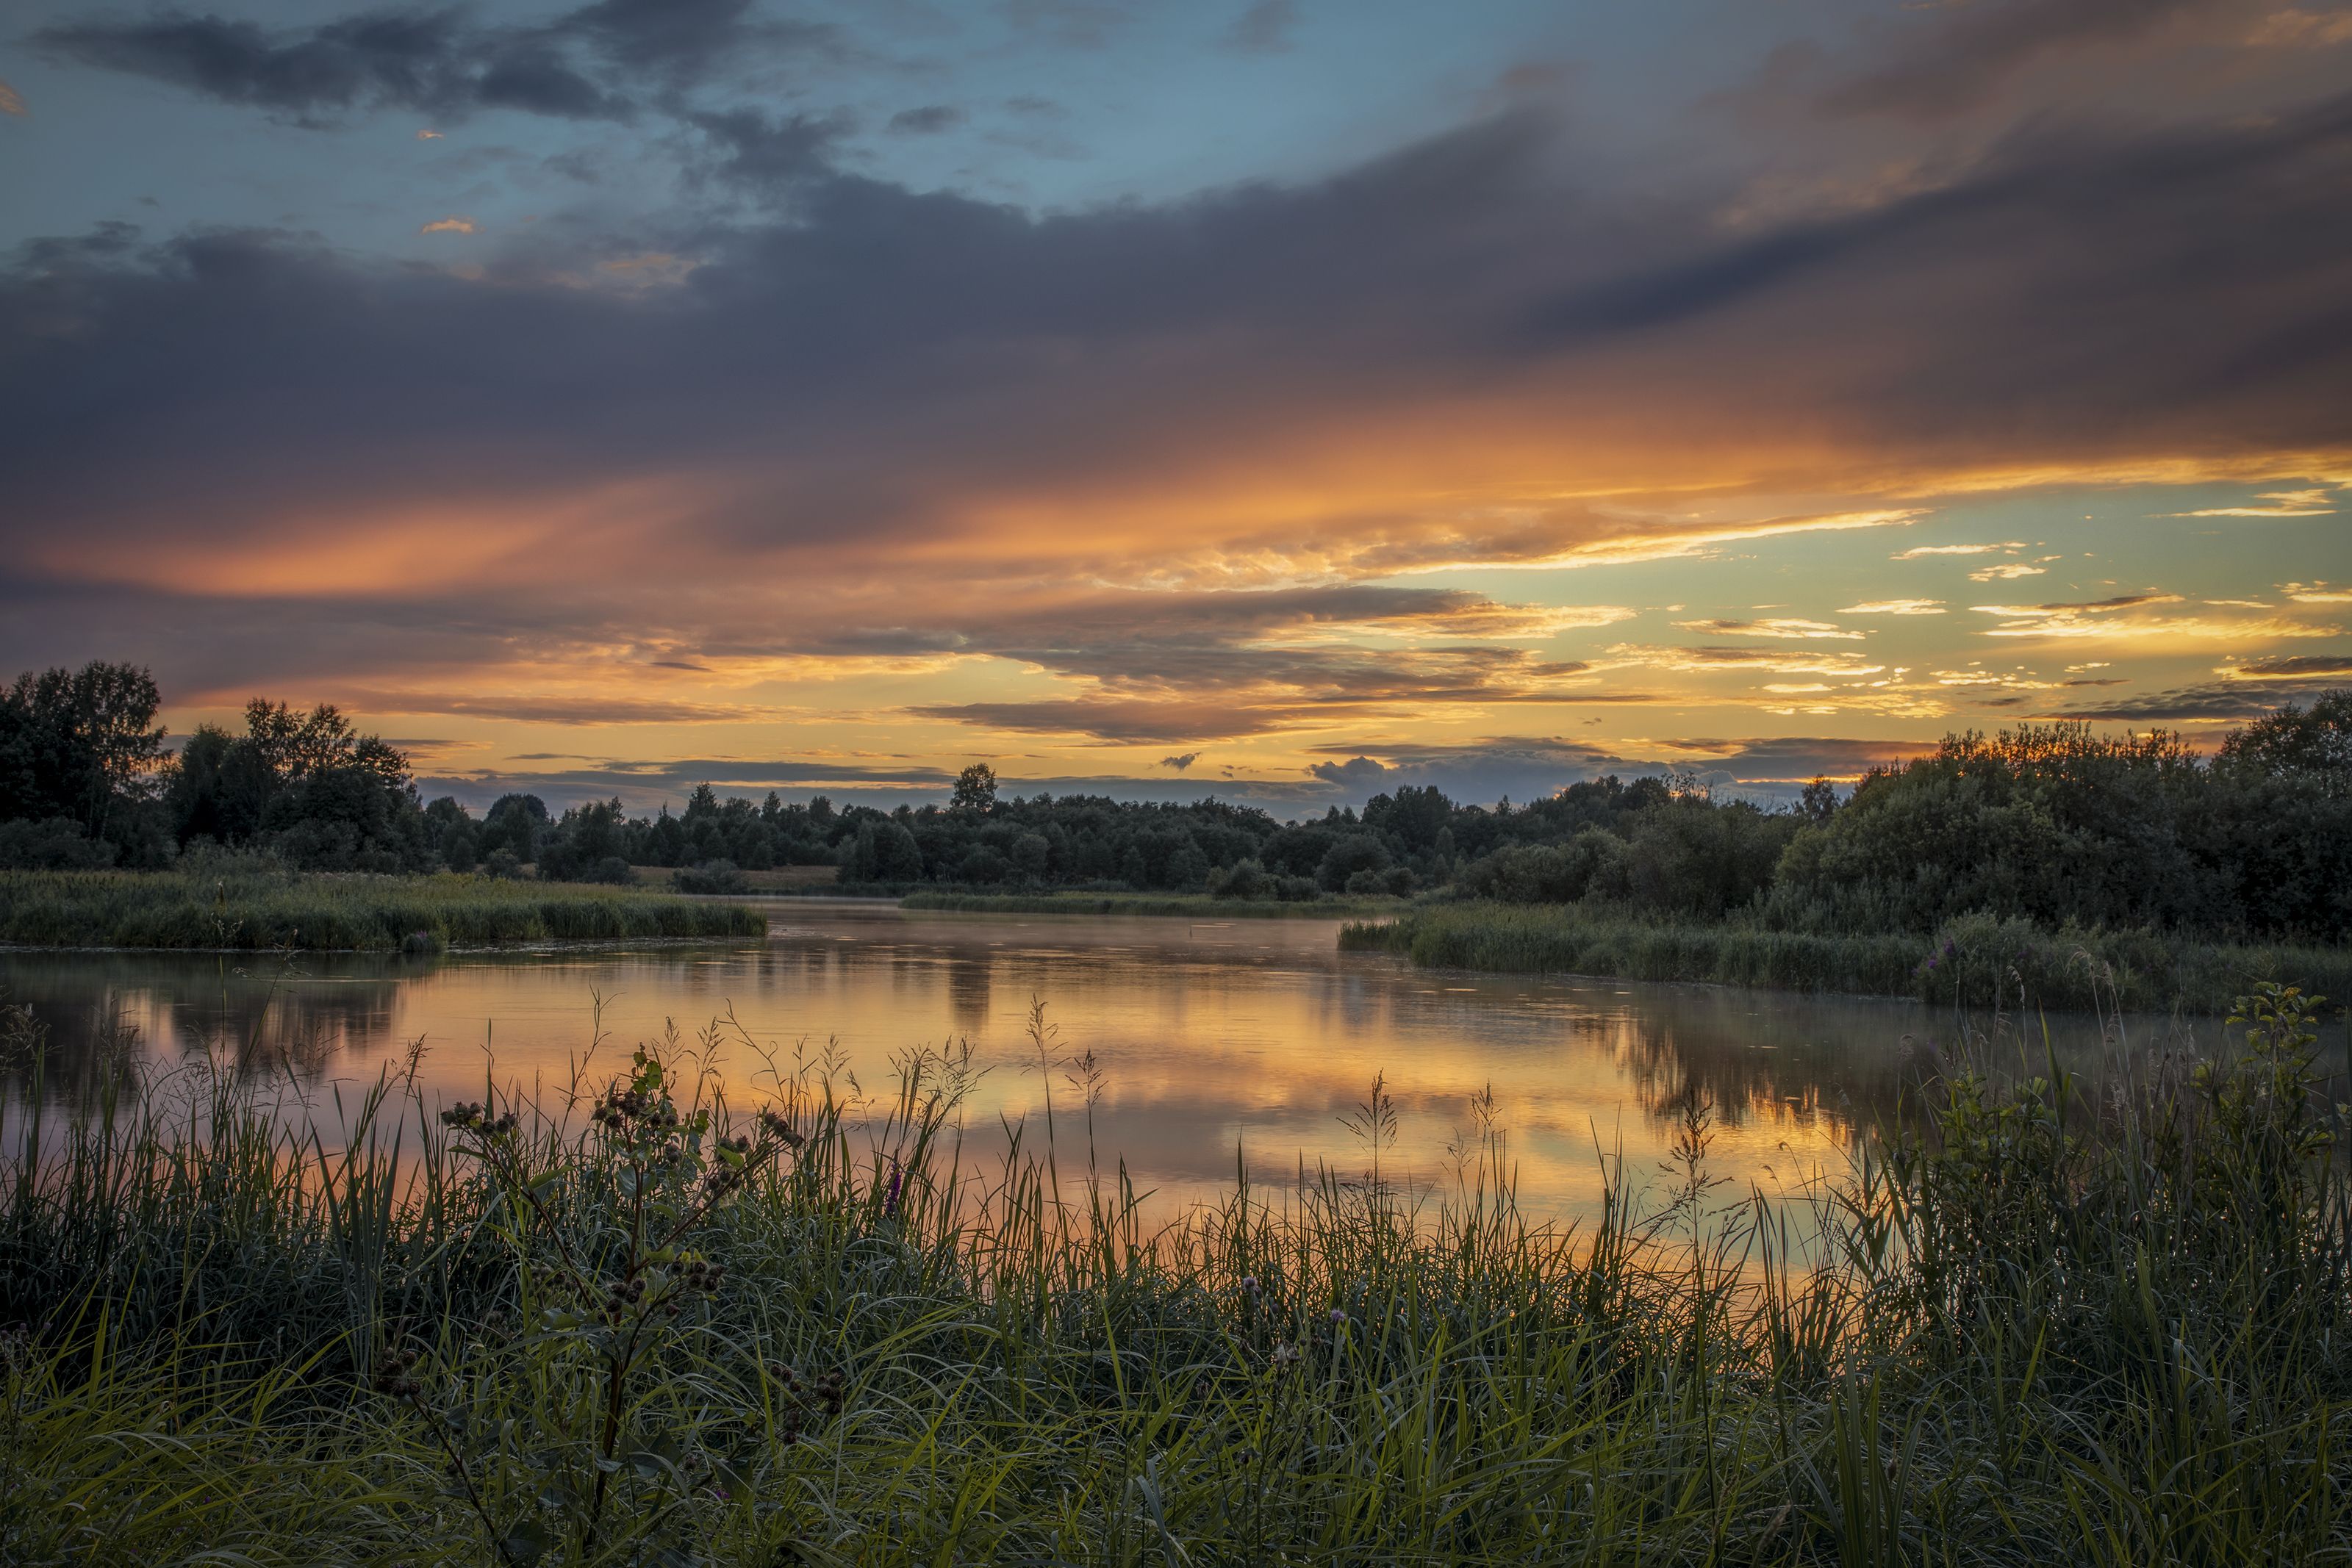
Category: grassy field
[2047,1331]
[1977,962]
[249,908]
[1197,906]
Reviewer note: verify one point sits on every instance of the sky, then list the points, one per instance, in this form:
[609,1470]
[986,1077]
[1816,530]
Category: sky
[1278,400]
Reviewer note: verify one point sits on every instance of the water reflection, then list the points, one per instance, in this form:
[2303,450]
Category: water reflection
[1255,1037]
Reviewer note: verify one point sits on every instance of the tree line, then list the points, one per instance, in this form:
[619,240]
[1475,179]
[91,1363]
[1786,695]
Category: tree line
[2053,822]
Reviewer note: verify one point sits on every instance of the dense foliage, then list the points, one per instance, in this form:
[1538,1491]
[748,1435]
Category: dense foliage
[2048,1324]
[2055,823]
[2052,823]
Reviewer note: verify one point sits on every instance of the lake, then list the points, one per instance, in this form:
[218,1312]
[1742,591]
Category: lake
[1208,1038]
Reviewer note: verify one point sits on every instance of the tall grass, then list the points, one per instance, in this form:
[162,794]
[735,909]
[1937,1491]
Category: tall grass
[250,908]
[1976,960]
[2048,1328]
[1199,906]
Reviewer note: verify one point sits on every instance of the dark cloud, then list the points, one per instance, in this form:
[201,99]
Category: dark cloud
[2292,666]
[928,121]
[1956,56]
[881,321]
[2220,700]
[431,61]
[1520,767]
[1264,27]
[764,155]
[816,411]
[683,40]
[587,64]
[600,708]
[1123,721]
[1999,249]
[1354,772]
[1215,690]
[1528,768]
[1181,763]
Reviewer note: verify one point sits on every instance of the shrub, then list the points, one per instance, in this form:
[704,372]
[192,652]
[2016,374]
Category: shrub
[1244,879]
[57,843]
[712,877]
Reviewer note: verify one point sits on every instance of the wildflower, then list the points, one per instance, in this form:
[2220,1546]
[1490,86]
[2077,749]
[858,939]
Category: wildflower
[1249,1283]
[391,1375]
[1285,1353]
[1337,1317]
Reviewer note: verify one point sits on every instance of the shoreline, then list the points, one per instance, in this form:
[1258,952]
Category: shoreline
[242,911]
[1974,962]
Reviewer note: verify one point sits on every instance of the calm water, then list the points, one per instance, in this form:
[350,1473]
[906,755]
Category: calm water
[1258,1035]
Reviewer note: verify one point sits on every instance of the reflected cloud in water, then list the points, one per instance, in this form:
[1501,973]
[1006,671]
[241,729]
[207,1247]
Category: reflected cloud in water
[1256,1036]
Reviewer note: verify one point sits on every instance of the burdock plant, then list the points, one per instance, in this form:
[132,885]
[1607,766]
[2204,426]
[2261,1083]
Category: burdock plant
[582,1436]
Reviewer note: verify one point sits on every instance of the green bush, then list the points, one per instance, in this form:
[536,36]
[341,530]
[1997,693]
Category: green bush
[712,877]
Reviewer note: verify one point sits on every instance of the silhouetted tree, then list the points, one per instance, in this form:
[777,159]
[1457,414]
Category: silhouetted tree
[975,788]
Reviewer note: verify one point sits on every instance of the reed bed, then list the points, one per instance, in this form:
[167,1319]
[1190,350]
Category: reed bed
[1979,961]
[1197,906]
[2048,1328]
[250,908]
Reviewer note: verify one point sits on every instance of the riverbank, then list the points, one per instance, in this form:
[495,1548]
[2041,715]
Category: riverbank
[1978,961]
[2026,1348]
[1194,906]
[246,908]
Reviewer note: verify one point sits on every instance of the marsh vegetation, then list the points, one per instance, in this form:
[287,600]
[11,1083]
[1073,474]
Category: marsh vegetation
[242,902]
[641,1324]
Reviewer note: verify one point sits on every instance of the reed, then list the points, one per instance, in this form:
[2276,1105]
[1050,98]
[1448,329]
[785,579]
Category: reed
[2045,1327]
[1197,906]
[248,907]
[1974,961]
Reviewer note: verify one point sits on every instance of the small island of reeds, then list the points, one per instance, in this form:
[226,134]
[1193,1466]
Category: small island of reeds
[242,904]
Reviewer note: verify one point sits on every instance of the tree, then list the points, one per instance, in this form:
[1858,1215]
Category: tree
[2315,741]
[308,786]
[1414,815]
[78,744]
[975,789]
[515,823]
[115,705]
[1348,856]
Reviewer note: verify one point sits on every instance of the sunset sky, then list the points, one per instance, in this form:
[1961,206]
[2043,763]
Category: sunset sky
[1282,400]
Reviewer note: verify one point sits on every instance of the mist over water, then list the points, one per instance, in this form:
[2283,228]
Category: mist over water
[1208,1038]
